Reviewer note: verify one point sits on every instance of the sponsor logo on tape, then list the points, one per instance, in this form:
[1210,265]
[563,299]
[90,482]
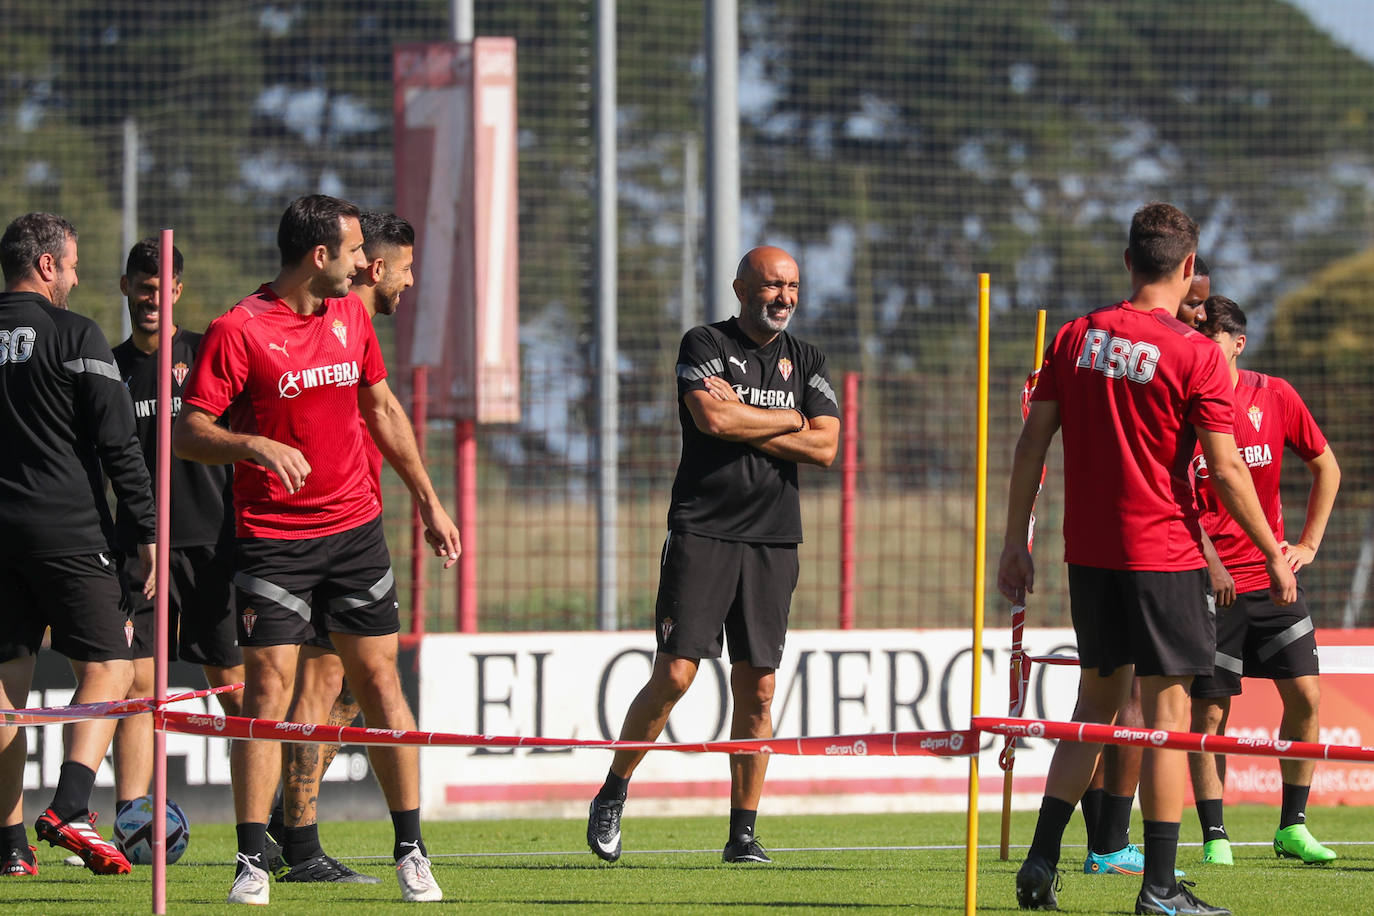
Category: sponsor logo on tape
[1157,737]
[399,733]
[303,728]
[956,742]
[857,749]
[1036,730]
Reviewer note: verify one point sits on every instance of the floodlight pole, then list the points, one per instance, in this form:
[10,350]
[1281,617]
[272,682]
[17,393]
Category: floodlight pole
[608,395]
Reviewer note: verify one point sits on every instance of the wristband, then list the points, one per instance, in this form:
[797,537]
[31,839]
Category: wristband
[800,416]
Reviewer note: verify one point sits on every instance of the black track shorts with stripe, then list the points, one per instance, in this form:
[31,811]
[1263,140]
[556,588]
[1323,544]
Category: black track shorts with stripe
[200,607]
[712,591]
[345,577]
[1161,622]
[78,597]
[1257,638]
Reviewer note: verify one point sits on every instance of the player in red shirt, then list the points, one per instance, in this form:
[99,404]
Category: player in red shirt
[1133,389]
[389,246]
[1111,794]
[1255,638]
[293,366]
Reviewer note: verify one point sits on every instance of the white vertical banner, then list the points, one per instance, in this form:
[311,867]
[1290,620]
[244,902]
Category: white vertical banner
[456,181]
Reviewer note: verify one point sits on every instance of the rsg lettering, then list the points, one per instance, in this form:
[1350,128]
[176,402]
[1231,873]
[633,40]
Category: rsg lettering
[1117,357]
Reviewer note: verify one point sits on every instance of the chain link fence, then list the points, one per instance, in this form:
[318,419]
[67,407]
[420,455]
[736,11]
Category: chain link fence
[896,148]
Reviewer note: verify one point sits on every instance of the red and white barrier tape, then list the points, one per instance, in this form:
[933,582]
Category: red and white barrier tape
[110,709]
[883,744]
[1095,733]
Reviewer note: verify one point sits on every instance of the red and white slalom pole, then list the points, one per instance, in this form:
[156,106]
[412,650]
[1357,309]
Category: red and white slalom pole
[1020,664]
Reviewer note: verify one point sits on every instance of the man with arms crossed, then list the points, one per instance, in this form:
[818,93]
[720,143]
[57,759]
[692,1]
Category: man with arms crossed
[389,245]
[1133,388]
[1254,637]
[64,419]
[199,601]
[293,365]
[730,561]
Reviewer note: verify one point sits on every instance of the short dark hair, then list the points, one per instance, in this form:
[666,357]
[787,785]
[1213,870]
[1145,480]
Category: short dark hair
[1222,315]
[385,230]
[28,238]
[1200,268]
[1161,236]
[315,219]
[145,259]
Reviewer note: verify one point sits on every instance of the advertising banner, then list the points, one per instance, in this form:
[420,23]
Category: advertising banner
[832,682]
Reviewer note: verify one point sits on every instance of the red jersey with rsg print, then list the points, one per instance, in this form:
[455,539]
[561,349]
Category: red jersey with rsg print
[1130,386]
[294,378]
[1269,415]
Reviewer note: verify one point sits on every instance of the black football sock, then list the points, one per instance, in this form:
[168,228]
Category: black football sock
[74,784]
[1113,832]
[14,837]
[407,827]
[252,840]
[742,823]
[1161,854]
[299,844]
[1049,829]
[122,803]
[1209,818]
[1294,805]
[615,787]
[1092,811]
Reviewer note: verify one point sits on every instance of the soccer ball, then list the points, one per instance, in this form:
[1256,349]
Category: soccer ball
[133,831]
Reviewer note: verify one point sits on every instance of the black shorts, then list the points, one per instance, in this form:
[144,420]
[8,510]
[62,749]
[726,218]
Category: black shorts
[1257,638]
[709,588]
[200,607]
[345,578]
[79,598]
[1161,622]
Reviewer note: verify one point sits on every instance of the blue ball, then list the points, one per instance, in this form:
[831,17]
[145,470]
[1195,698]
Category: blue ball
[133,831]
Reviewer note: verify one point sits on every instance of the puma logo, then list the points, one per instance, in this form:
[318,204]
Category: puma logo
[743,366]
[281,349]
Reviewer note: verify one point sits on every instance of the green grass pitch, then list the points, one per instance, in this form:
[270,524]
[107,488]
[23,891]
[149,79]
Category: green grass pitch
[523,866]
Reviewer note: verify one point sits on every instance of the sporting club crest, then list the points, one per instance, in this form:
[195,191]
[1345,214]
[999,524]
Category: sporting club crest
[180,371]
[340,331]
[666,627]
[1256,417]
[785,367]
[250,620]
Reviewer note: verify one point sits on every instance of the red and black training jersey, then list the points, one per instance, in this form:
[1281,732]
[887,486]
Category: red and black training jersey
[1131,385]
[64,418]
[201,494]
[731,491]
[1269,415]
[294,378]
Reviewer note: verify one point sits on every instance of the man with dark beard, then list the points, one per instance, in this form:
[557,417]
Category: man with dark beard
[293,829]
[753,402]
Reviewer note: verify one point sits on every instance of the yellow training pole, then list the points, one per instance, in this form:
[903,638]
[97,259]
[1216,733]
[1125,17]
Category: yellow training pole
[1005,849]
[980,528]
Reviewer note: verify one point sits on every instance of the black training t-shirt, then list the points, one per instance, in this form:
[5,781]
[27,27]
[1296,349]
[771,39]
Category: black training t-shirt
[730,490]
[64,417]
[201,493]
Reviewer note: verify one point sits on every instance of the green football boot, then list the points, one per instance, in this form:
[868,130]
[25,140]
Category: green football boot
[1297,842]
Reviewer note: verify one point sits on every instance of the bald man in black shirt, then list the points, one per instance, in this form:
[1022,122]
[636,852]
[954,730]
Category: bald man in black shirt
[753,402]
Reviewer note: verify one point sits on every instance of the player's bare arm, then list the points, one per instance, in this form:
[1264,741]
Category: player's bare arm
[1015,569]
[1223,585]
[1231,479]
[197,437]
[817,444]
[735,421]
[1326,480]
[390,428]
